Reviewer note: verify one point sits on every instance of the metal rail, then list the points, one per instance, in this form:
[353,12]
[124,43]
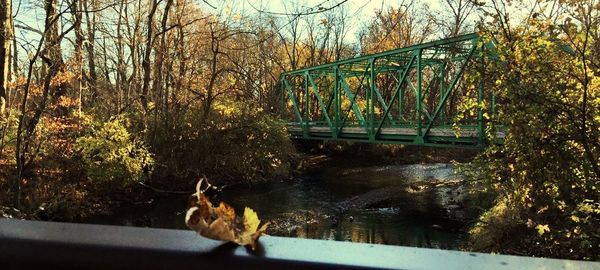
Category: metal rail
[50,245]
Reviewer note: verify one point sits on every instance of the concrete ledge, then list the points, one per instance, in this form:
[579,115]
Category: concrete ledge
[27,244]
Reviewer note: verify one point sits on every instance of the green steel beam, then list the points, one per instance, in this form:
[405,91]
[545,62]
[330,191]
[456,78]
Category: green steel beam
[338,102]
[307,107]
[419,138]
[370,101]
[294,103]
[382,102]
[414,89]
[352,98]
[400,82]
[450,89]
[442,78]
[467,37]
[321,105]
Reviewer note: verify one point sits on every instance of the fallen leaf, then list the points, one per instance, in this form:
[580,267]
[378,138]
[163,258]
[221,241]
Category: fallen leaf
[221,223]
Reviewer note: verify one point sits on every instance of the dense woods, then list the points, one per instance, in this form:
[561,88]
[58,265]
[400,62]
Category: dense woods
[97,96]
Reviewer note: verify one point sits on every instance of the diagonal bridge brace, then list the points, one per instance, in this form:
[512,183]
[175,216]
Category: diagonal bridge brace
[393,99]
[449,90]
[320,100]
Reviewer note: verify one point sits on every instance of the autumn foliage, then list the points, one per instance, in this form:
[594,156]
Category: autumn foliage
[221,223]
[104,95]
[547,173]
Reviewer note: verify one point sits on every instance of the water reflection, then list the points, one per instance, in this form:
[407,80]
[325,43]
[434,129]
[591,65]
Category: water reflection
[311,207]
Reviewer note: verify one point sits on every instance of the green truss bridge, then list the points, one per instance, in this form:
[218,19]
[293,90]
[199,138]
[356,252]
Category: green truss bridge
[428,94]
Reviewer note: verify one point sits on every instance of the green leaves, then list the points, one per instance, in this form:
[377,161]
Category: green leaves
[546,84]
[111,155]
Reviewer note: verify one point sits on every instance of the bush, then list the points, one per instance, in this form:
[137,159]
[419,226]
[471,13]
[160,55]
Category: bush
[234,143]
[111,155]
[547,172]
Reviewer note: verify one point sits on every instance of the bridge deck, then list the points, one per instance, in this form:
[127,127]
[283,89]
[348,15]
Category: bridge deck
[406,135]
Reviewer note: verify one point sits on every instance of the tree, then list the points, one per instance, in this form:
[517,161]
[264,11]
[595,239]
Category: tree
[144,97]
[461,10]
[396,28]
[5,59]
[49,50]
[546,173]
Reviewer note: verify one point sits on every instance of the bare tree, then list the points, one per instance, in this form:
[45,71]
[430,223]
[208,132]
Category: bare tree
[91,23]
[461,10]
[6,41]
[49,51]
[146,61]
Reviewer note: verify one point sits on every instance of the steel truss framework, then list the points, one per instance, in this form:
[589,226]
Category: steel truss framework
[409,95]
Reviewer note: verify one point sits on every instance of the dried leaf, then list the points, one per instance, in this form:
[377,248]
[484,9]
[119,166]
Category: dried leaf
[251,220]
[221,223]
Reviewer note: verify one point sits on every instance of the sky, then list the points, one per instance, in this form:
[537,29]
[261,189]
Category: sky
[360,11]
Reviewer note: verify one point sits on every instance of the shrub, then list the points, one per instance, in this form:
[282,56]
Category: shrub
[547,172]
[235,142]
[111,155]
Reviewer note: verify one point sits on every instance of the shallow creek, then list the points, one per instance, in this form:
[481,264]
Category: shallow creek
[421,205]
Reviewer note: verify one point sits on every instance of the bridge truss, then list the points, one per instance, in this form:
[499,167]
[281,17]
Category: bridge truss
[410,95]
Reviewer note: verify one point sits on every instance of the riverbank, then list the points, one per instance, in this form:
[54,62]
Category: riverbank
[78,200]
[316,156]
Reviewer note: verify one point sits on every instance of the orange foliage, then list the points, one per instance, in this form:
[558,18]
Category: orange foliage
[221,223]
[62,77]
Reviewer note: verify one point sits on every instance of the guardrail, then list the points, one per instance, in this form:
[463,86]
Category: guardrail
[28,244]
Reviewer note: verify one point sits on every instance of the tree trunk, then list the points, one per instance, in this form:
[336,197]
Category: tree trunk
[146,61]
[53,51]
[213,72]
[5,40]
[160,53]
[121,70]
[79,38]
[89,45]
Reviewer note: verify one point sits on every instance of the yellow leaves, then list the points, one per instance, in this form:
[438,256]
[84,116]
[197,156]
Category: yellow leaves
[221,223]
[227,109]
[542,228]
[575,218]
[251,231]
[251,220]
[237,17]
[18,82]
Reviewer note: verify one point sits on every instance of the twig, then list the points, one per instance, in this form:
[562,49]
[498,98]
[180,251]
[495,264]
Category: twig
[165,191]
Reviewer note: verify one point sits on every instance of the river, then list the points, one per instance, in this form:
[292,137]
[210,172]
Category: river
[421,205]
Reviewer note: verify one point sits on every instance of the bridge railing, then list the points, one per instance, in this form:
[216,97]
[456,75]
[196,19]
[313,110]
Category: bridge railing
[426,94]
[50,245]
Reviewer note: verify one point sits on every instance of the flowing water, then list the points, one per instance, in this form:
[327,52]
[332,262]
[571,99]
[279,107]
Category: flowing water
[410,205]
